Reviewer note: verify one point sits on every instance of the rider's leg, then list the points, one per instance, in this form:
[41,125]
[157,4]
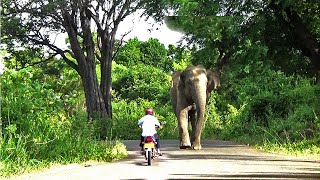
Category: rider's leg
[157,137]
[141,140]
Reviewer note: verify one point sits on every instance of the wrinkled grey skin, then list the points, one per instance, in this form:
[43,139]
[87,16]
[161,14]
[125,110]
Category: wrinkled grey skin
[190,90]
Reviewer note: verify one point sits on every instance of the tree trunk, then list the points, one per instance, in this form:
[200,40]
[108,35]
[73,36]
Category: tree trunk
[86,66]
[105,86]
[98,97]
[94,100]
[307,42]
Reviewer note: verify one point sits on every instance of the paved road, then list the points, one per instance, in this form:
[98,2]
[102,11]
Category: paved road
[217,160]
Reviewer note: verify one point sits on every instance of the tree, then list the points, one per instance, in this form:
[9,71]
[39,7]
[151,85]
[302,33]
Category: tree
[297,31]
[142,81]
[129,54]
[213,38]
[150,52]
[288,28]
[31,24]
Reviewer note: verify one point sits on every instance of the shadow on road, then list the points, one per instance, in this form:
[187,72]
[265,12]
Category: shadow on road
[231,157]
[225,160]
[249,175]
[212,149]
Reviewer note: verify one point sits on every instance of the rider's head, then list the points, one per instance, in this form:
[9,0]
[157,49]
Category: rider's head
[149,111]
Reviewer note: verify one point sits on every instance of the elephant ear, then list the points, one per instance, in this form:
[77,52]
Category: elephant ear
[176,78]
[213,80]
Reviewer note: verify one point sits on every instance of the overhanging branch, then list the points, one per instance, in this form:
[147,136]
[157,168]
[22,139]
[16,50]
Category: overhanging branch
[39,62]
[57,51]
[121,41]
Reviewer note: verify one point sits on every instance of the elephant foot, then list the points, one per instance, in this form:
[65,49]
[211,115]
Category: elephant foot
[196,146]
[185,146]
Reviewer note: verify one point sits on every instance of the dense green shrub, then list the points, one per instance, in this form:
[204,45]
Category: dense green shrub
[39,130]
[141,82]
[150,53]
[124,124]
[271,107]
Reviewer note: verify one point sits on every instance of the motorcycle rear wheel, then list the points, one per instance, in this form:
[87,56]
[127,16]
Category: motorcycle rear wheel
[149,158]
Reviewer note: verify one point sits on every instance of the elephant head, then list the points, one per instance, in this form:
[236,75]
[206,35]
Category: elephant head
[190,91]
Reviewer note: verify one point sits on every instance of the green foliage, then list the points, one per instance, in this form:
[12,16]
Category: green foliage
[40,127]
[124,124]
[218,28]
[129,54]
[262,100]
[44,121]
[23,57]
[271,106]
[26,26]
[211,37]
[141,82]
[155,54]
[212,124]
[151,53]
[181,57]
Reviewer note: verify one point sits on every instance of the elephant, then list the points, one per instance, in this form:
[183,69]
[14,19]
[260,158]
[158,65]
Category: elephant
[190,91]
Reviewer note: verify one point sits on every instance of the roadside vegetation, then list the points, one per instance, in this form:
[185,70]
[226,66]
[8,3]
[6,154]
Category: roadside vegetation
[269,95]
[44,122]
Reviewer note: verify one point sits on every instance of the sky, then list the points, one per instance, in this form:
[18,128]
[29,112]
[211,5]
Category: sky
[141,29]
[144,30]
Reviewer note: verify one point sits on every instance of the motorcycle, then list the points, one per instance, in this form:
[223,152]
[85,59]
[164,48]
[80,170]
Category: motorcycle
[150,149]
[149,146]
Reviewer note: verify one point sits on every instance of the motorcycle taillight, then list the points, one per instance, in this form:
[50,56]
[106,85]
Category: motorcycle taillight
[148,139]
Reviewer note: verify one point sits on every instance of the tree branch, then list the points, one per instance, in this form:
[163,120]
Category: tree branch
[121,42]
[39,62]
[57,51]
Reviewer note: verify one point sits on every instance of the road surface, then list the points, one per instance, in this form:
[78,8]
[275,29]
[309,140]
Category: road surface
[217,160]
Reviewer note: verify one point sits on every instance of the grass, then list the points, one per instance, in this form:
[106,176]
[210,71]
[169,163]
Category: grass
[42,126]
[268,142]
[25,162]
[305,149]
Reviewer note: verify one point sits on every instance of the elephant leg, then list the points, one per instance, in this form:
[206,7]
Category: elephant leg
[195,137]
[192,118]
[197,134]
[183,128]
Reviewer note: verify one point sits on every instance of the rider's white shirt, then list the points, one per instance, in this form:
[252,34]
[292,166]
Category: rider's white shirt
[148,123]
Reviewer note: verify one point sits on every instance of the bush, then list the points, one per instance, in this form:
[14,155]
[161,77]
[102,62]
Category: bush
[150,53]
[124,124]
[269,106]
[39,130]
[141,82]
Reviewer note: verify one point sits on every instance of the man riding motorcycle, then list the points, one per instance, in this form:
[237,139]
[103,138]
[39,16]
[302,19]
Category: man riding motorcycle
[148,124]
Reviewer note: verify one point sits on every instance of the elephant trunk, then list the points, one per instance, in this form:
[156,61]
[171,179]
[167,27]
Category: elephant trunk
[199,98]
